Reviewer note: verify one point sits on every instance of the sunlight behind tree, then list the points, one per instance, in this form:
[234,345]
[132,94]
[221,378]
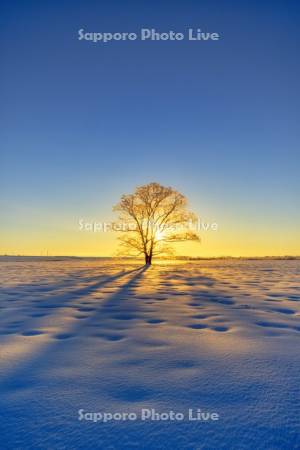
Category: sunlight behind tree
[160,217]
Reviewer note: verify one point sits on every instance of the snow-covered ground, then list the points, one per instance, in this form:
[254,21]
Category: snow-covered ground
[109,336]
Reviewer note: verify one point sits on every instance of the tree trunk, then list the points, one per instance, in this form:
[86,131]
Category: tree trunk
[148,259]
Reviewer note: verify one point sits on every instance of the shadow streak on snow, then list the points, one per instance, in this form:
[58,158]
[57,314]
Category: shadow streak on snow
[118,310]
[48,291]
[90,288]
[52,301]
[27,369]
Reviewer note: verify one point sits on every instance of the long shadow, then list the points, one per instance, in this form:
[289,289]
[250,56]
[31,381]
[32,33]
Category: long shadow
[53,302]
[88,289]
[22,376]
[108,318]
[61,285]
[121,306]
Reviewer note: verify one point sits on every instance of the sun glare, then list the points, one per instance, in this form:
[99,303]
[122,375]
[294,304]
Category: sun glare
[159,235]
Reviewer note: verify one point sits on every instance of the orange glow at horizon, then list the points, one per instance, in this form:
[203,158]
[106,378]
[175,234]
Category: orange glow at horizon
[213,244]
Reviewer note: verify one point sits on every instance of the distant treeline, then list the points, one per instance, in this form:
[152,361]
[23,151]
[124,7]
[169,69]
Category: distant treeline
[197,258]
[180,258]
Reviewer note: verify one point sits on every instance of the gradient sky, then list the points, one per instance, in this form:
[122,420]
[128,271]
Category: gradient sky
[84,123]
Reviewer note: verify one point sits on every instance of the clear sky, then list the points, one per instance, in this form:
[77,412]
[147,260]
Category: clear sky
[84,123]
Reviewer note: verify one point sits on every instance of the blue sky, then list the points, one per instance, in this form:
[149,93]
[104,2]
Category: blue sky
[84,123]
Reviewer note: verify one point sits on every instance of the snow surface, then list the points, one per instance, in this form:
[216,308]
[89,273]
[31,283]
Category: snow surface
[103,335]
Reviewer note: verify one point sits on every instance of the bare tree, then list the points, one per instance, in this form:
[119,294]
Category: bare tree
[157,216]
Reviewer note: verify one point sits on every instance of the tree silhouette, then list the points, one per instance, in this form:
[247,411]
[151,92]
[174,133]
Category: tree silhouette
[157,216]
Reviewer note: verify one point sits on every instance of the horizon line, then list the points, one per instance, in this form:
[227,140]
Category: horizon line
[159,258]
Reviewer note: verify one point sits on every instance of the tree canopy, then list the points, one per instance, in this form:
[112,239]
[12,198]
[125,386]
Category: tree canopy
[157,216]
